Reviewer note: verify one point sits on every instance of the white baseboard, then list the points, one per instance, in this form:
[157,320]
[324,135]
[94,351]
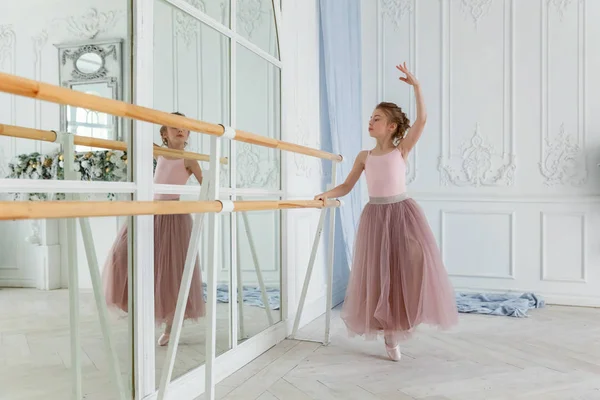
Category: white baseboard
[575,301]
[24,283]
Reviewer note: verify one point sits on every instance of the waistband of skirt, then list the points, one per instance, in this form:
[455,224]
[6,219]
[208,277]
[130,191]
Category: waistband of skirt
[389,200]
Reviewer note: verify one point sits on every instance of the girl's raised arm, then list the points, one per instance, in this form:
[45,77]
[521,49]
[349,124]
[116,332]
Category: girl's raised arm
[415,131]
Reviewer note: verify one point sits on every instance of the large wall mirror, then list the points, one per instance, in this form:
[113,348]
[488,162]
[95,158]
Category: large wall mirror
[46,284]
[193,73]
[93,68]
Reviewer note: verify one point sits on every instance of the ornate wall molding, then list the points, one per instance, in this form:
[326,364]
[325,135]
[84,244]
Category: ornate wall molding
[476,9]
[91,23]
[186,26]
[395,10]
[562,162]
[39,42]
[8,40]
[560,6]
[306,166]
[478,163]
[562,155]
[250,15]
[254,170]
[84,26]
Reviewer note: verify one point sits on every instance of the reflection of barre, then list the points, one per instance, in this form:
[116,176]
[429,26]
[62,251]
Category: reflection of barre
[259,276]
[67,142]
[51,136]
[182,298]
[240,298]
[11,210]
[55,94]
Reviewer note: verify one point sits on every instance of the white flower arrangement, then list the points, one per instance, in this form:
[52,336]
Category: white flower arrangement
[106,165]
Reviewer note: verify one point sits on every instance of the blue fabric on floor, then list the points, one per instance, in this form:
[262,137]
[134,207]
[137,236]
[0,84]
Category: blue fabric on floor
[505,304]
[251,296]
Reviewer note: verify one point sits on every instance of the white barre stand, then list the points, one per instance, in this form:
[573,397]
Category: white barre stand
[68,148]
[311,264]
[184,291]
[208,191]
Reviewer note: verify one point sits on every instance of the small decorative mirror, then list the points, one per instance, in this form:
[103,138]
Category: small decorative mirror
[94,68]
[89,63]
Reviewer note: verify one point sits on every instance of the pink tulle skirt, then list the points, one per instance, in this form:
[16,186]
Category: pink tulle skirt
[398,280]
[171,239]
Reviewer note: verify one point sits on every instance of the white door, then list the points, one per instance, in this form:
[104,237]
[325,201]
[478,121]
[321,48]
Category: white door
[17,261]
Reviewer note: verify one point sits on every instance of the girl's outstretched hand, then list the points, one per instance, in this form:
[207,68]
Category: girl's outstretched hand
[409,78]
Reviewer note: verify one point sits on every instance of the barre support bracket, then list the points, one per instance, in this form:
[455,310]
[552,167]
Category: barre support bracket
[228,132]
[228,206]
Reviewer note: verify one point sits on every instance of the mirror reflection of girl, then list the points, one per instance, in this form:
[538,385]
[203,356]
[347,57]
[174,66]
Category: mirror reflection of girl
[171,239]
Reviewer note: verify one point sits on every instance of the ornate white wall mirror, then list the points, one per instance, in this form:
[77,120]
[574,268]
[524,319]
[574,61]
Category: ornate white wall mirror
[93,68]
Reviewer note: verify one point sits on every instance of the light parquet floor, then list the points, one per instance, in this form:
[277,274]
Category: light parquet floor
[35,345]
[552,355]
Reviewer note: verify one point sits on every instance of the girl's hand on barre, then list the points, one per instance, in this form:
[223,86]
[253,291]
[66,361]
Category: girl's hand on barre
[321,197]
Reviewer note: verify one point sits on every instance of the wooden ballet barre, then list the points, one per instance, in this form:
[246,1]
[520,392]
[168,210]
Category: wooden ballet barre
[43,91]
[21,210]
[50,136]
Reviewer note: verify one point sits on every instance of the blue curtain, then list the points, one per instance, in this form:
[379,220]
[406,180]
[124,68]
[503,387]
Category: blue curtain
[341,109]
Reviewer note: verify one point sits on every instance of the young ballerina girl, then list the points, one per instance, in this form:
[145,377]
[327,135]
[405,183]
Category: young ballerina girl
[398,280]
[171,239]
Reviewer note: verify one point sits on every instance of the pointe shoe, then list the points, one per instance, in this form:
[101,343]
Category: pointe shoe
[163,340]
[393,352]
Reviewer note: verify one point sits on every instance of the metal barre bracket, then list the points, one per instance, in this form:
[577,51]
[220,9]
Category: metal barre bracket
[228,206]
[60,136]
[229,132]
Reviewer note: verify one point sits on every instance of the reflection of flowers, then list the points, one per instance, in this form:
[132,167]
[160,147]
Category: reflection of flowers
[110,166]
[254,170]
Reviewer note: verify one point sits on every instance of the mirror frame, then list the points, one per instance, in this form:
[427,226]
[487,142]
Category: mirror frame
[110,73]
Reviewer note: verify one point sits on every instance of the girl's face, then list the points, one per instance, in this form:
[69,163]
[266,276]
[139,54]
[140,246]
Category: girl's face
[176,137]
[379,127]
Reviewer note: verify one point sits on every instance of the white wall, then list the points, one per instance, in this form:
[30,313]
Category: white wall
[514,205]
[28,32]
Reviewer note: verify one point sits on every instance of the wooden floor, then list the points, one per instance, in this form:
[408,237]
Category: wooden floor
[552,355]
[35,345]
